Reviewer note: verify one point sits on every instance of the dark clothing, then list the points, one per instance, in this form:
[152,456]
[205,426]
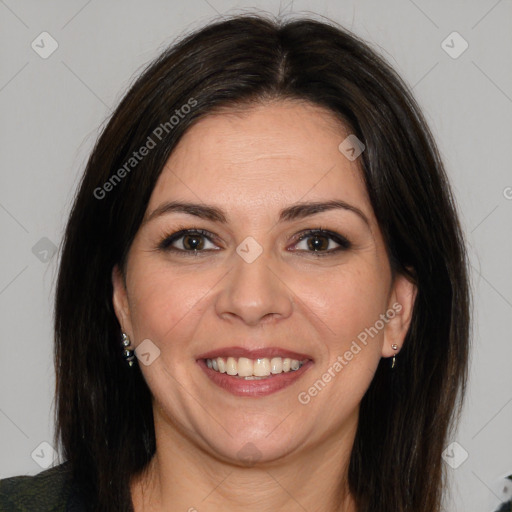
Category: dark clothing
[48,491]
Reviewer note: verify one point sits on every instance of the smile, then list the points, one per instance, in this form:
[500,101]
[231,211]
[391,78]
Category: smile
[253,373]
[251,369]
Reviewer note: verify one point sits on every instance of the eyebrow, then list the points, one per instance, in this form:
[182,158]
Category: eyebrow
[288,214]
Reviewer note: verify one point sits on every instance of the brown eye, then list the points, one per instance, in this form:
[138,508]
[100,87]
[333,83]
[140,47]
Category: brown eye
[191,241]
[317,243]
[321,242]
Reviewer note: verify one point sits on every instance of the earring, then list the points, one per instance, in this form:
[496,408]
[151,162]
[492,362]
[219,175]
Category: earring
[393,362]
[127,352]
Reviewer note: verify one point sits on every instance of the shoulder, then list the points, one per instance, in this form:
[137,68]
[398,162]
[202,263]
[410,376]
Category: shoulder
[505,507]
[47,491]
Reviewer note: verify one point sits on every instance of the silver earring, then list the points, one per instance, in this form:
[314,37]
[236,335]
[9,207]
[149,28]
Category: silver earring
[127,352]
[393,362]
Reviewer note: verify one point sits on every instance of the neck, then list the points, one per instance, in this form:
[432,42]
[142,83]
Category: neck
[183,477]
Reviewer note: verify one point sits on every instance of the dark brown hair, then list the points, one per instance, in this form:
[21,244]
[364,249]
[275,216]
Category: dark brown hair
[104,420]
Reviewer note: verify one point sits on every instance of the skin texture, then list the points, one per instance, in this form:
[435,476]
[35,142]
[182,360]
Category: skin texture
[252,163]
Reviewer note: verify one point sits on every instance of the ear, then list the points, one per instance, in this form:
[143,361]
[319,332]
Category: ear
[120,301]
[399,313]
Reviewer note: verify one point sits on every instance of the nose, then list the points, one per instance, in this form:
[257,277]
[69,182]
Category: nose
[254,292]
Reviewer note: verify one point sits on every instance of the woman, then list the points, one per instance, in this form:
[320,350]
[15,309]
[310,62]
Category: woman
[267,222]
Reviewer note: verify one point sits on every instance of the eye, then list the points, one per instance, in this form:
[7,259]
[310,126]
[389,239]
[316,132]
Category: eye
[320,242]
[192,242]
[187,241]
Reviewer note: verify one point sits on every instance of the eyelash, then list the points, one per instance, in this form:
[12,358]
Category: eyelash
[167,240]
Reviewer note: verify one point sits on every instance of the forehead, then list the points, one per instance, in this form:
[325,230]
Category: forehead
[260,159]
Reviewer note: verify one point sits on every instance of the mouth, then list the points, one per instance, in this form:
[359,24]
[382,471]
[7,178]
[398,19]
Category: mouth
[259,372]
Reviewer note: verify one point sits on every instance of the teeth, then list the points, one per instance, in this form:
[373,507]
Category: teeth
[276,365]
[261,367]
[245,367]
[231,366]
[253,369]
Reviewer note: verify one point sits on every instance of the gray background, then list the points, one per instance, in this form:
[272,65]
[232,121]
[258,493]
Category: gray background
[51,112]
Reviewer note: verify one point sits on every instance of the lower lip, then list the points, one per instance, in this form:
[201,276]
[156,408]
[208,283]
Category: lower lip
[261,387]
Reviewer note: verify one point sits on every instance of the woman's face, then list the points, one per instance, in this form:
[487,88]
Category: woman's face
[327,300]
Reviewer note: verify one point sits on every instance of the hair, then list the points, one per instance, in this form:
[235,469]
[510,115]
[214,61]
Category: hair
[104,419]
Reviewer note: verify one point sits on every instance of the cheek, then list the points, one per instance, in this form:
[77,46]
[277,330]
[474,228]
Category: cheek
[165,303]
[350,302]
[351,306]
[352,351]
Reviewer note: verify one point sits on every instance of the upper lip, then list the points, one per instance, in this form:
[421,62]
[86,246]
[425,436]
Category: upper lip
[253,353]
